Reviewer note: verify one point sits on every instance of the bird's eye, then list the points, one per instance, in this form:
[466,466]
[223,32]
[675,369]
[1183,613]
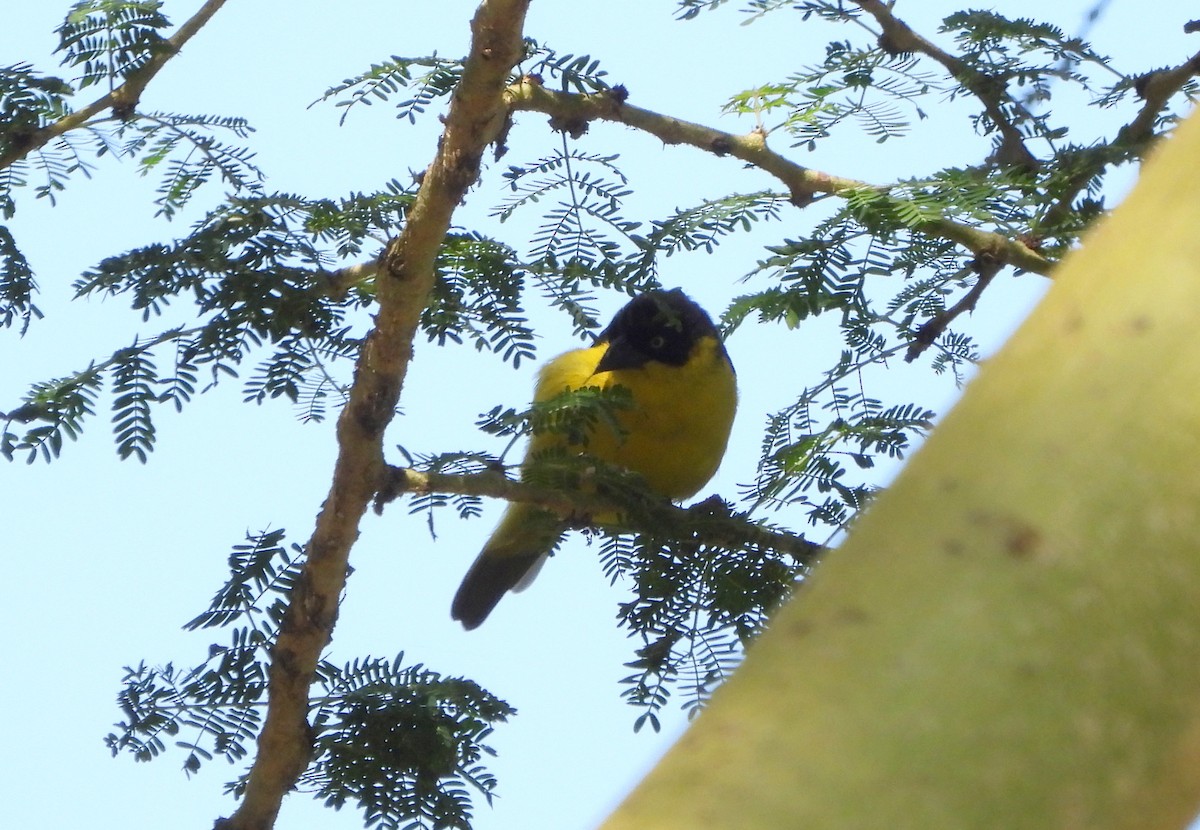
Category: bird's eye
[657,341]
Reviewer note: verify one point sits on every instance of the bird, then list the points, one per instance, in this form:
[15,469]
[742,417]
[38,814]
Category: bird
[664,349]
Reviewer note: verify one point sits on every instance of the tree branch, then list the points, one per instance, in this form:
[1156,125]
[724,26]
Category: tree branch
[122,100]
[1155,89]
[571,112]
[475,119]
[933,328]
[898,37]
[706,522]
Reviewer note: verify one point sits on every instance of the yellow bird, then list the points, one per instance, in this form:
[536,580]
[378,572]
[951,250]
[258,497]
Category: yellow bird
[665,350]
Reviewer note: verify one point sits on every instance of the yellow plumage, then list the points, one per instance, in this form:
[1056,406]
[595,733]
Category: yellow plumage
[666,352]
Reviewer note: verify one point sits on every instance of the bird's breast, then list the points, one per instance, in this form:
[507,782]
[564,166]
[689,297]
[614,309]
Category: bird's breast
[679,424]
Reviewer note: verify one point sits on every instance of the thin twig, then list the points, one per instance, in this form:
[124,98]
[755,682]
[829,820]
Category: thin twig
[36,411]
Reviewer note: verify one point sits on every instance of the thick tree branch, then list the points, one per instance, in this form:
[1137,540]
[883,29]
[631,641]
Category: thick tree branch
[572,112]
[475,119]
[698,523]
[899,37]
[122,100]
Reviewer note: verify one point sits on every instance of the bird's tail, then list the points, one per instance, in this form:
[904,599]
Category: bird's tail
[507,562]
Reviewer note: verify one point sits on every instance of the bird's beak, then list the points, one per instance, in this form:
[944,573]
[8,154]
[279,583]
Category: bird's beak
[620,354]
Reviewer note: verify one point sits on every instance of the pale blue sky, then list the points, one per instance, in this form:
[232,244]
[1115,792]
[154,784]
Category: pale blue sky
[105,560]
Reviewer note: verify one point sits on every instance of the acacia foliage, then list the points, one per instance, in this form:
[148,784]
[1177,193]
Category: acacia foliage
[272,291]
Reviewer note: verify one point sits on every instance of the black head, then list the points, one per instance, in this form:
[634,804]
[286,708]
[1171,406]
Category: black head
[657,325]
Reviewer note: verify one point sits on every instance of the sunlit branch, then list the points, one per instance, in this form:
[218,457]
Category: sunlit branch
[403,284]
[571,112]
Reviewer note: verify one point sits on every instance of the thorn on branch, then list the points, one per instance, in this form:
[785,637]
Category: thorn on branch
[124,106]
[574,126]
[1031,241]
[801,198]
[890,46]
[713,506]
[500,145]
[987,264]
[1141,84]
[574,121]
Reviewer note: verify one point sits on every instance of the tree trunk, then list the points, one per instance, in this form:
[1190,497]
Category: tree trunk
[1010,638]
